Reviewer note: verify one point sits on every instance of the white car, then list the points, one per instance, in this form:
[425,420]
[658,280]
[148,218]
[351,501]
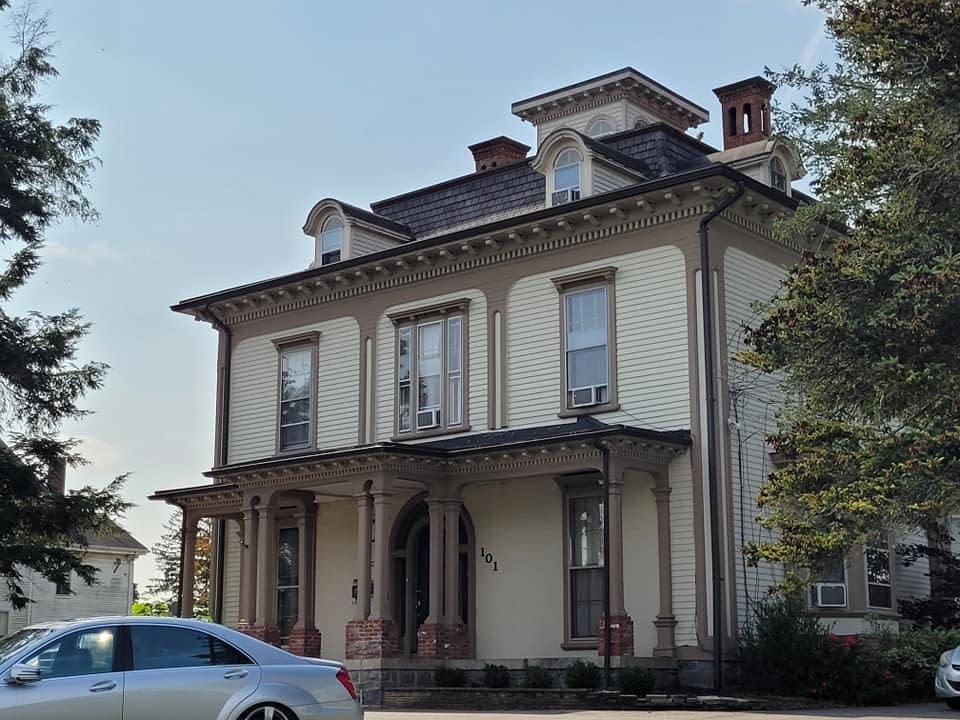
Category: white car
[140,668]
[947,680]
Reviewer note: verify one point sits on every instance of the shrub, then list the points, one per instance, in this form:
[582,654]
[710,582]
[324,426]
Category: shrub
[635,680]
[448,677]
[496,676]
[582,674]
[539,677]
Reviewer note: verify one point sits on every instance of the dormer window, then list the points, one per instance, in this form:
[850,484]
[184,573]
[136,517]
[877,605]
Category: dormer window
[331,240]
[566,177]
[599,126]
[778,175]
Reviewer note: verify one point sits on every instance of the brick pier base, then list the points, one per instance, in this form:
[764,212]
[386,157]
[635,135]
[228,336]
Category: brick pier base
[369,639]
[303,641]
[621,636]
[269,634]
[450,642]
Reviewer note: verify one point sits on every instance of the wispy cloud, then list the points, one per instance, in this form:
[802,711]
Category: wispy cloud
[93,252]
[101,455]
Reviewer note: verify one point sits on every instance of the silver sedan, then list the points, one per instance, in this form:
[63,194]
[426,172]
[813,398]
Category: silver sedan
[159,668]
[946,682]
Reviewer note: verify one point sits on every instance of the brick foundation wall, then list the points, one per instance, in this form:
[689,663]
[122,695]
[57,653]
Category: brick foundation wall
[450,642]
[621,636]
[304,642]
[268,634]
[369,639]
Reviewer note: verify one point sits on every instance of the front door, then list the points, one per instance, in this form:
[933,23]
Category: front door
[77,681]
[184,674]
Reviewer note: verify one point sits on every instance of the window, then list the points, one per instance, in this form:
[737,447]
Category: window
[566,176]
[430,374]
[157,647]
[331,240]
[829,589]
[778,175]
[85,652]
[288,580]
[585,563]
[63,588]
[599,126]
[296,396]
[879,590]
[4,622]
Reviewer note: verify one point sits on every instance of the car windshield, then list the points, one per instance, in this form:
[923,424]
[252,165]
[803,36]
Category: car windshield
[19,640]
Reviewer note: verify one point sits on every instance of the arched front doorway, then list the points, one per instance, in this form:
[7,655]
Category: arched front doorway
[411,571]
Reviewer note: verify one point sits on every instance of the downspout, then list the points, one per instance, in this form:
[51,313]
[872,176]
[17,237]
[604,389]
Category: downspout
[607,641]
[220,528]
[710,383]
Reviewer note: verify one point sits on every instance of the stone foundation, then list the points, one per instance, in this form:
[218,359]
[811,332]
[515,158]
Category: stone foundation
[268,634]
[449,642]
[304,642]
[621,636]
[370,639]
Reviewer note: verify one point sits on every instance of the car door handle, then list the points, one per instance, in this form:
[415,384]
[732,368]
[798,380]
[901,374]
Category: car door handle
[235,675]
[104,686]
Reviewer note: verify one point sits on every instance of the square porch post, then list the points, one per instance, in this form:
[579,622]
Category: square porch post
[619,624]
[248,571]
[266,625]
[304,636]
[189,568]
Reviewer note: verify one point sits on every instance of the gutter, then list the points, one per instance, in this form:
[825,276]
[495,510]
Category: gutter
[710,386]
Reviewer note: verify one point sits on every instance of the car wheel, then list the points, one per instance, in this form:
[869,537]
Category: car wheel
[268,712]
[953,703]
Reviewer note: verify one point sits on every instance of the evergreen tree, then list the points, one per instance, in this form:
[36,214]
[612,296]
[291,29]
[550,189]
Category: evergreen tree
[166,553]
[44,168]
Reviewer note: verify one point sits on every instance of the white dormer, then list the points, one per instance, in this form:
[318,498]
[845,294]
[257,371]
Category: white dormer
[341,232]
[618,101]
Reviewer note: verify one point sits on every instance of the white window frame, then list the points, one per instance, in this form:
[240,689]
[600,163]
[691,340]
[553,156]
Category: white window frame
[781,172]
[820,582]
[333,227]
[563,162]
[591,128]
[884,548]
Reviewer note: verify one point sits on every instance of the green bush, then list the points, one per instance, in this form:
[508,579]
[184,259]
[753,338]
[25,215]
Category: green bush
[539,677]
[635,680]
[496,676]
[447,677]
[582,674]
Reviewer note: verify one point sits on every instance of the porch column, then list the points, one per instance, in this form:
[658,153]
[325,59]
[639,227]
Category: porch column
[364,531]
[248,571]
[304,636]
[619,625]
[429,637]
[454,637]
[189,568]
[382,502]
[665,623]
[267,574]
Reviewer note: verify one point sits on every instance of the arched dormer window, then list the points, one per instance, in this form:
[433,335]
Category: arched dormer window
[778,174]
[599,126]
[331,240]
[566,176]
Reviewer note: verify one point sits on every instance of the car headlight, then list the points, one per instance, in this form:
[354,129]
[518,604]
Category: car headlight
[945,658]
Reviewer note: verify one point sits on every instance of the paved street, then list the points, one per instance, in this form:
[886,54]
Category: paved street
[904,712]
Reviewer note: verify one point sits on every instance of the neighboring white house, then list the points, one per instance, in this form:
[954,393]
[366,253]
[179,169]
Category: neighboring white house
[112,554]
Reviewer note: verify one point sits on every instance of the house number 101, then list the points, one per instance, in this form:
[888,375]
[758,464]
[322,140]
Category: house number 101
[489,559]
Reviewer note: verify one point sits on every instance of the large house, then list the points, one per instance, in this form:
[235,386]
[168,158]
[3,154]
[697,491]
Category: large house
[481,413]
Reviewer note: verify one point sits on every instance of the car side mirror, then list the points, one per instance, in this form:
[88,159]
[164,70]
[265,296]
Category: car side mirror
[22,674]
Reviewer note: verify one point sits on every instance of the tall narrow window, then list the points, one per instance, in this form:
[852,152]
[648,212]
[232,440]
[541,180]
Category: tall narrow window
[586,339]
[331,240]
[879,586]
[431,366]
[566,177]
[586,559]
[296,394]
[778,175]
[288,579]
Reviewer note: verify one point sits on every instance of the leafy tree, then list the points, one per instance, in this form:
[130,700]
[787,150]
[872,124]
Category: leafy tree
[166,553]
[44,168]
[867,330]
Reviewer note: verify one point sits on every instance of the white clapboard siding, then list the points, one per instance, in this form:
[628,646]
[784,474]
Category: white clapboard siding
[683,549]
[477,360]
[911,581]
[254,385]
[605,178]
[231,573]
[579,121]
[651,336]
[755,398]
[364,242]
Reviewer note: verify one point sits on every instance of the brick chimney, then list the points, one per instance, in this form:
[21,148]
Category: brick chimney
[57,478]
[491,154]
[746,111]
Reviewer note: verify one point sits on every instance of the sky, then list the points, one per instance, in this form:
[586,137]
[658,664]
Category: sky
[224,122]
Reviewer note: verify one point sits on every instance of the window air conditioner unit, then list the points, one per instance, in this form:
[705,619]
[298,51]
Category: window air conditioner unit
[830,595]
[560,197]
[427,419]
[585,396]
